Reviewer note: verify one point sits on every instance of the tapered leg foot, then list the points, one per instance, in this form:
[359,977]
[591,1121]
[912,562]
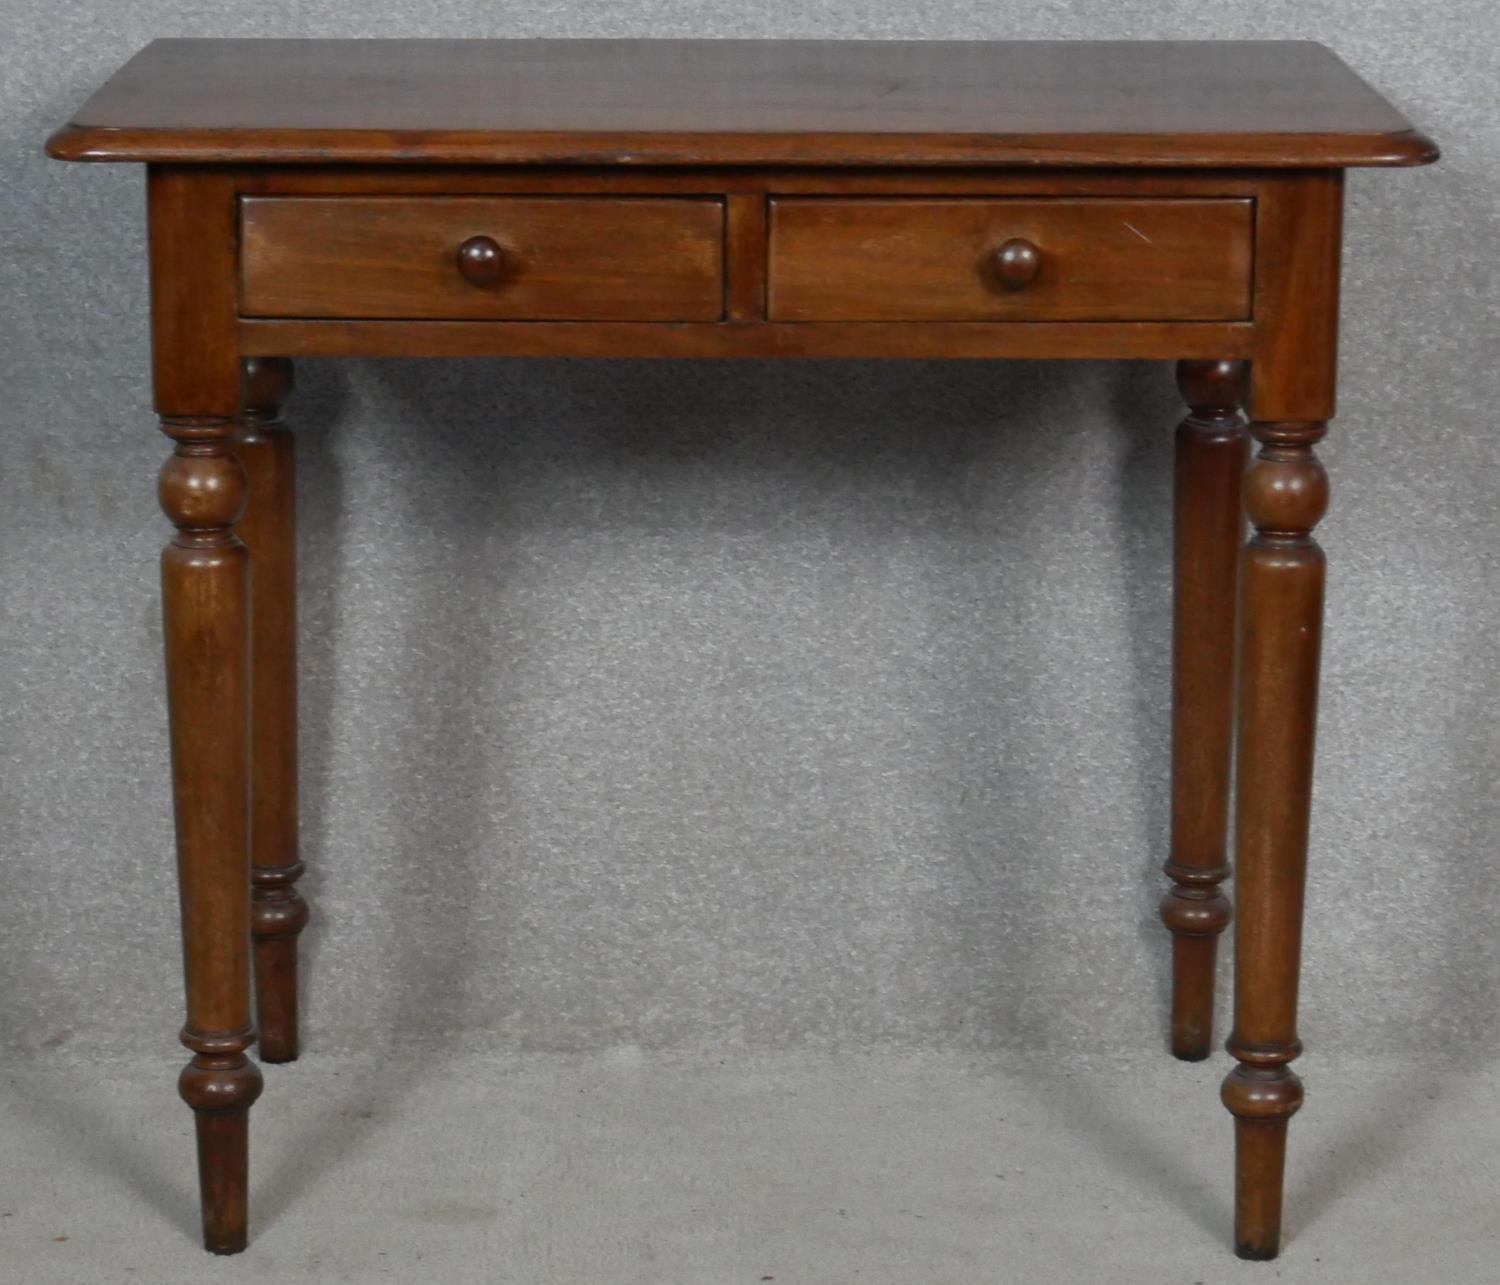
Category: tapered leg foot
[224,1175]
[1208,530]
[221,1088]
[1193,963]
[277,924]
[1263,1101]
[1259,1162]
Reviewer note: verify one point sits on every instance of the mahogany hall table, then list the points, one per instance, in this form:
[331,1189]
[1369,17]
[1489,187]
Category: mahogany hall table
[600,198]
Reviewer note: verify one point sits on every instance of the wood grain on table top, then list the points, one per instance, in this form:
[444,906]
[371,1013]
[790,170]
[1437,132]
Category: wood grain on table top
[728,102]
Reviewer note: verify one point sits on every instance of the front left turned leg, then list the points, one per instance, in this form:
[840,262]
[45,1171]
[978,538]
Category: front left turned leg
[278,913]
[1281,623]
[1208,530]
[205,615]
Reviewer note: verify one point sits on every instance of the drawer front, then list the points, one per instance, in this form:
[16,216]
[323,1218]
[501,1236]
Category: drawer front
[837,259]
[483,258]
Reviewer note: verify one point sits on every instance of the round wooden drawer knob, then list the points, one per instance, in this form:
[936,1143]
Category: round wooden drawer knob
[480,259]
[1017,262]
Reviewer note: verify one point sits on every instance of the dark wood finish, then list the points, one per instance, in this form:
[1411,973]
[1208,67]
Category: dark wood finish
[206,626]
[745,102]
[957,339]
[1292,394]
[278,914]
[891,180]
[1017,263]
[558,258]
[937,260]
[1208,530]
[205,574]
[481,260]
[746,199]
[745,231]
[206,616]
[1281,606]
[1298,234]
[195,357]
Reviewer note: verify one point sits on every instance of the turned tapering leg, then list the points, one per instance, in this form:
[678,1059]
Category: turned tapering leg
[268,528]
[205,606]
[1208,531]
[1281,621]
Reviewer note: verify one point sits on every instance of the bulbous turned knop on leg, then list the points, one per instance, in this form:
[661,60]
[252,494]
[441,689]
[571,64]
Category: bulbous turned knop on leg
[1281,616]
[1208,527]
[268,528]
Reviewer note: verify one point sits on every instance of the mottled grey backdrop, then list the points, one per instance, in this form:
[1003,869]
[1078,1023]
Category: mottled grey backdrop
[717,706]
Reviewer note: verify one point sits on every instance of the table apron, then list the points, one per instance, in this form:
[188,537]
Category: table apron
[870,340]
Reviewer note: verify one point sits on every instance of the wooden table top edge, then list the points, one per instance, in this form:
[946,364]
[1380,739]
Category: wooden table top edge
[1396,148]
[687,103]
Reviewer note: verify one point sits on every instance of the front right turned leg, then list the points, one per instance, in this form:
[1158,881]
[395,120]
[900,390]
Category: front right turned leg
[205,608]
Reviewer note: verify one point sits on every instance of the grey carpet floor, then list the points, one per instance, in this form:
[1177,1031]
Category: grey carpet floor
[874,1169]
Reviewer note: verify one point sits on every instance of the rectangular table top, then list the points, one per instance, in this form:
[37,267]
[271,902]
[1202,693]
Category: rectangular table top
[741,102]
